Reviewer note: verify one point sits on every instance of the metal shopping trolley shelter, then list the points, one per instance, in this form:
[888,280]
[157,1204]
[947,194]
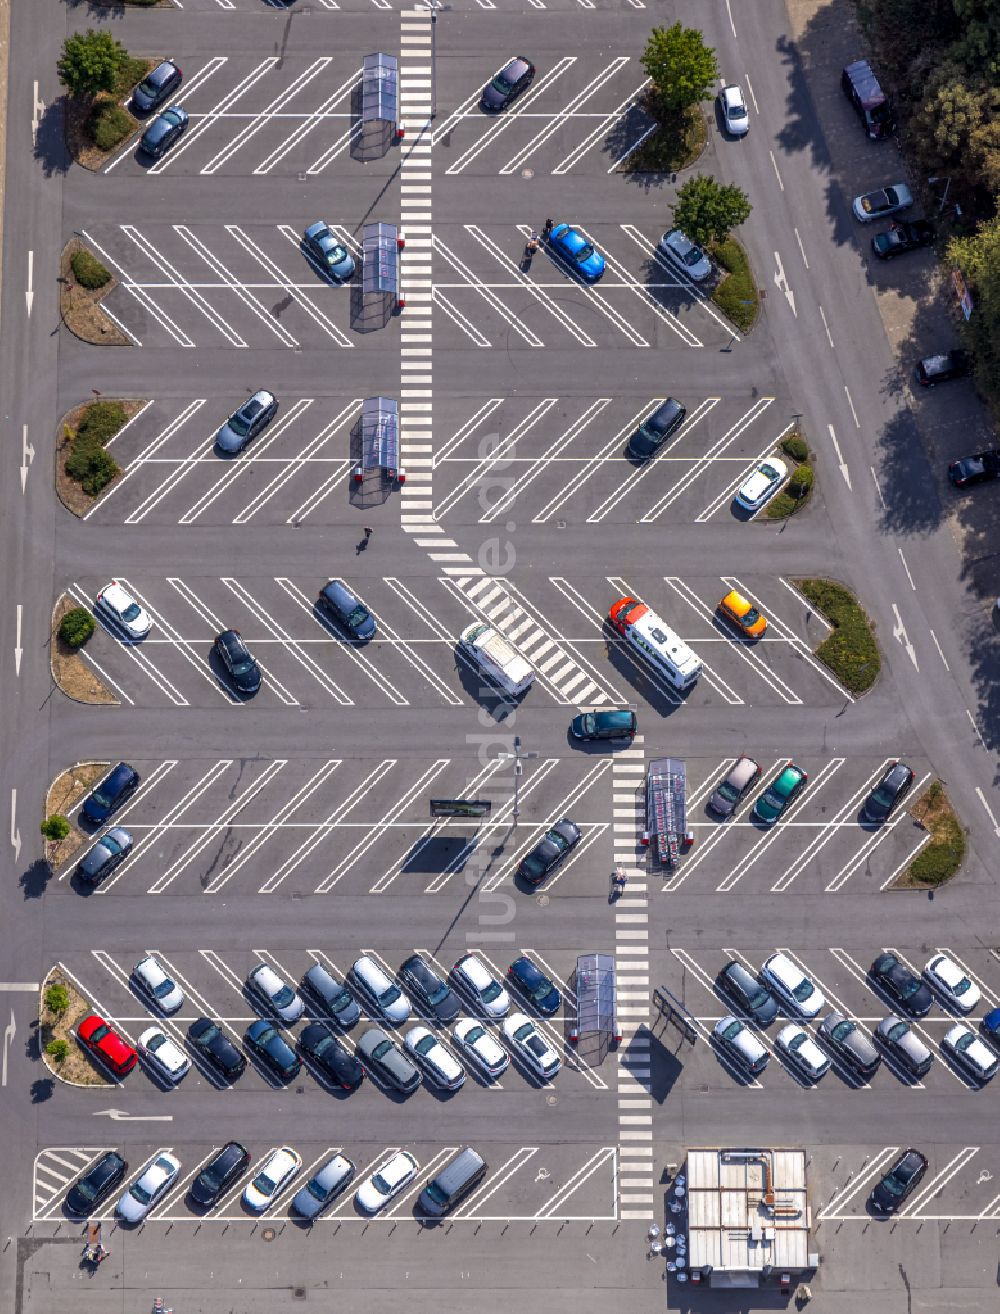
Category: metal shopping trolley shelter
[378,458]
[595,1030]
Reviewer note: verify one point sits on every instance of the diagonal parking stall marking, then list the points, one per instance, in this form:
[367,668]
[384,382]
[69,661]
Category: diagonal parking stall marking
[278,1208]
[46,1197]
[351,648]
[861,976]
[106,1213]
[166,1024]
[607,1154]
[221,824]
[200,1001]
[403,647]
[857,1083]
[252,303]
[686,961]
[220,1213]
[99,1008]
[704,461]
[161,1212]
[295,463]
[988,995]
[319,494]
[764,842]
[938,1182]
[498,450]
[469,1210]
[314,118]
[867,1173]
[201,452]
[216,112]
[380,827]
[184,646]
[431,621]
[645,294]
[264,116]
[139,293]
[191,85]
[323,828]
[149,450]
[732,487]
[460,321]
[146,787]
[866,850]
[184,286]
[513,320]
[593,831]
[292,290]
[641,241]
[539,464]
[593,463]
[199,607]
[501,124]
[141,659]
[469,108]
[602,129]
[342,1205]
[749,654]
[564,116]
[964,1081]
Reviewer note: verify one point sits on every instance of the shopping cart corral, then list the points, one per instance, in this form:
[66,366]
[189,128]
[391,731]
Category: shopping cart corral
[376,448]
[666,833]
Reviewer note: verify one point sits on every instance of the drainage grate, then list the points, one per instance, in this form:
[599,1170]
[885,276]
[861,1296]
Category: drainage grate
[269,1234]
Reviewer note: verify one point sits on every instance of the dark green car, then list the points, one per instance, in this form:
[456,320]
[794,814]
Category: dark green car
[609,724]
[789,781]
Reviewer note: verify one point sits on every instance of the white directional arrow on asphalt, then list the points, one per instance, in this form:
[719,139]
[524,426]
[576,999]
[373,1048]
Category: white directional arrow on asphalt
[781,282]
[10,1031]
[899,634]
[18,650]
[27,456]
[29,294]
[989,811]
[843,464]
[15,834]
[120,1116]
[36,113]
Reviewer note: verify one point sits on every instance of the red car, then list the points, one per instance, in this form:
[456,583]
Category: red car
[95,1034]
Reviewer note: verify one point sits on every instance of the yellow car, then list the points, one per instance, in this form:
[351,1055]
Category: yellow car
[743,614]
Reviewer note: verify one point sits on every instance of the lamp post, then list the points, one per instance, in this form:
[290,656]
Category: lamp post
[520,757]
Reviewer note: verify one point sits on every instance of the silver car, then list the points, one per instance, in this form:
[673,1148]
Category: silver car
[247,421]
[381,990]
[158,988]
[327,252]
[440,1065]
[681,251]
[902,1044]
[479,982]
[744,773]
[971,1052]
[734,111]
[323,1187]
[274,993]
[149,1188]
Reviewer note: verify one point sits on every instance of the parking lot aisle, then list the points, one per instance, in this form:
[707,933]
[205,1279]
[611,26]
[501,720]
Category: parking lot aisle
[53,1170]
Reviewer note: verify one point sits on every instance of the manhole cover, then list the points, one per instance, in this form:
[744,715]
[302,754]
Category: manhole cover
[551,1100]
[269,1234]
[527,173]
[542,900]
[299,1293]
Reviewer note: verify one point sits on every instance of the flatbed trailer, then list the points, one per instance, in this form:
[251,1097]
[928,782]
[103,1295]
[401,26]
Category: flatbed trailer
[666,810]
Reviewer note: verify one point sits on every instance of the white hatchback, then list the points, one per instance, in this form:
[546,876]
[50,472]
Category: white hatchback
[380,990]
[734,111]
[163,1054]
[117,604]
[160,990]
[951,983]
[978,1059]
[275,994]
[792,986]
[688,257]
[482,985]
[275,1172]
[481,1046]
[522,1034]
[762,484]
[376,1191]
[440,1065]
[802,1052]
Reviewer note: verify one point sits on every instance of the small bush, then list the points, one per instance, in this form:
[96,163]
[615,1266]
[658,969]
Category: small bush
[101,421]
[55,827]
[794,446]
[88,270]
[57,999]
[58,1050]
[91,466]
[850,652]
[76,627]
[735,295]
[130,72]
[801,482]
[794,495]
[108,124]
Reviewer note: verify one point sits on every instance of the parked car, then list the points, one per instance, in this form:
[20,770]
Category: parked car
[380,991]
[116,603]
[683,253]
[845,1038]
[741,612]
[334,1000]
[481,1046]
[323,1187]
[786,786]
[103,857]
[161,134]
[504,87]
[747,993]
[440,1065]
[655,430]
[119,784]
[93,1186]
[990,1025]
[523,1036]
[882,203]
[982,468]
[427,989]
[273,1050]
[238,661]
[802,1052]
[902,986]
[580,255]
[543,857]
[149,1188]
[904,235]
[318,1043]
[274,994]
[898,1183]
[388,1061]
[979,1059]
[163,1054]
[740,1044]
[213,1044]
[247,421]
[337,600]
[532,982]
[482,986]
[760,486]
[156,86]
[902,1044]
[734,111]
[608,723]
[945,976]
[896,783]
[741,777]
[331,255]
[792,986]
[944,367]
[159,989]
[861,87]
[274,1174]
[395,1175]
[98,1038]
[221,1171]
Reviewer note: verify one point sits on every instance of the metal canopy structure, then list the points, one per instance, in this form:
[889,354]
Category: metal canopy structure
[666,808]
[596,1027]
[380,260]
[379,89]
[380,435]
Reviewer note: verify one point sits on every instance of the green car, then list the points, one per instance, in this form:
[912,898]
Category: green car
[779,793]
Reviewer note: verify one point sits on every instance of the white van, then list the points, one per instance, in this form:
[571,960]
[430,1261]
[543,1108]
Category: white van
[643,630]
[498,659]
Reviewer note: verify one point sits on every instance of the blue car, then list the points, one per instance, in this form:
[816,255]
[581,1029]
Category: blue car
[163,132]
[113,790]
[578,253]
[534,984]
[991,1025]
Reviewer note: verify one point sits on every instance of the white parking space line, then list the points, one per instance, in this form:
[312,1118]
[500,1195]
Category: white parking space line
[706,846]
[607,1154]
[645,292]
[503,122]
[474,479]
[602,129]
[49,1183]
[176,1193]
[865,1177]
[856,1082]
[989,996]
[929,1040]
[470,1210]
[750,1083]
[564,115]
[247,298]
[208,119]
[678,279]
[94,1003]
[139,293]
[149,449]
[871,843]
[181,284]
[264,116]
[407,651]
[132,650]
[937,1182]
[294,291]
[729,491]
[861,976]
[184,646]
[513,321]
[788,634]
[146,787]
[593,463]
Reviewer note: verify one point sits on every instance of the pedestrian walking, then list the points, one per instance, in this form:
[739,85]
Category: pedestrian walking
[368,532]
[547,229]
[533,244]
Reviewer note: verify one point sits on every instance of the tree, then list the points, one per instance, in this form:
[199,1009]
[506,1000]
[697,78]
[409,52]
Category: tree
[55,827]
[77,625]
[708,210]
[949,115]
[90,62]
[58,1050]
[978,257]
[681,67]
[57,998]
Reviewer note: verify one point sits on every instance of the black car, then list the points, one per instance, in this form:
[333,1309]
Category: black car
[901,1179]
[96,1184]
[904,235]
[156,86]
[273,1050]
[329,1055]
[548,852]
[888,793]
[507,85]
[100,860]
[212,1043]
[120,782]
[978,469]
[219,1173]
[424,985]
[534,985]
[609,723]
[949,365]
[872,105]
[654,431]
[240,666]
[743,989]
[902,986]
[163,132]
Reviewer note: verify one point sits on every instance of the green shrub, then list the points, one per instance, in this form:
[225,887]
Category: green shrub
[90,465]
[76,627]
[794,446]
[794,495]
[938,861]
[736,294]
[101,421]
[57,998]
[88,270]
[130,72]
[801,482]
[850,652]
[108,124]
[58,1050]
[55,827]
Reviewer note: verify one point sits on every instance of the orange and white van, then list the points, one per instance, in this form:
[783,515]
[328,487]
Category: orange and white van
[653,639]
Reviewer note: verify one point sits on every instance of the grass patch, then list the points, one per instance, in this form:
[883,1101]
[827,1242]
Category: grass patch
[64,796]
[850,652]
[58,1027]
[80,306]
[798,490]
[939,860]
[674,144]
[71,673]
[736,292]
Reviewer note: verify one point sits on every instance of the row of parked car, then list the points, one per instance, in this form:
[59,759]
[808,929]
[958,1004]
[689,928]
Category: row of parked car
[782,983]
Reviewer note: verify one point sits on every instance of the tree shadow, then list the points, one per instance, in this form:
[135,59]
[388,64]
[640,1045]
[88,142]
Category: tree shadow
[50,148]
[34,879]
[42,1089]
